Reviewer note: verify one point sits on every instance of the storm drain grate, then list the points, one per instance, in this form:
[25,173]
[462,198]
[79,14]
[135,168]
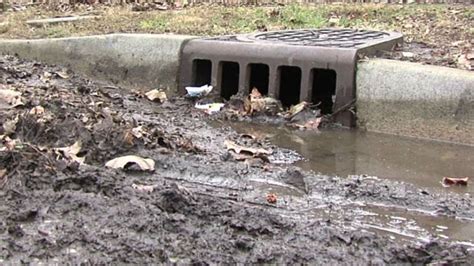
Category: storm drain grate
[314,65]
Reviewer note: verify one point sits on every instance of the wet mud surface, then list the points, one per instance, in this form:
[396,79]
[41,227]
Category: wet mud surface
[200,204]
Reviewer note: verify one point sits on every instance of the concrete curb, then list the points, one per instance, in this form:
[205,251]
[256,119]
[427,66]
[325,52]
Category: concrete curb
[416,100]
[130,60]
[394,97]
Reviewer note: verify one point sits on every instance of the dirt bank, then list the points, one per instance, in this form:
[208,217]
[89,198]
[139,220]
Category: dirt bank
[201,204]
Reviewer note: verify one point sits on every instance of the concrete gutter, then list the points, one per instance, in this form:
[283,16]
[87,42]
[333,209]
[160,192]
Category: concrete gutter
[411,99]
[394,97]
[130,60]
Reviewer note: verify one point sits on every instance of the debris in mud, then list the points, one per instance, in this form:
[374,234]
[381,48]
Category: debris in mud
[232,146]
[156,95]
[294,110]
[241,153]
[198,91]
[124,162]
[455,181]
[271,198]
[256,103]
[10,98]
[310,124]
[144,188]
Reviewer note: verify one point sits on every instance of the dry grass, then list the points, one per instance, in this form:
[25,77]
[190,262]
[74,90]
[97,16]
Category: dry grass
[433,24]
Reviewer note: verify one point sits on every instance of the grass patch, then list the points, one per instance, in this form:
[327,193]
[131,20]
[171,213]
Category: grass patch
[424,23]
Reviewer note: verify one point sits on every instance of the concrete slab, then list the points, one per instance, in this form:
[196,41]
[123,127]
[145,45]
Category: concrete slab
[132,60]
[416,100]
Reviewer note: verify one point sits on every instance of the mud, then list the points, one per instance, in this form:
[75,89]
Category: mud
[201,205]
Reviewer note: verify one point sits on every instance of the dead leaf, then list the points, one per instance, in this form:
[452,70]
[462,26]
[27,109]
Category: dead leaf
[37,110]
[62,74]
[46,77]
[144,188]
[71,152]
[310,124]
[9,126]
[255,94]
[232,146]
[313,123]
[296,109]
[10,99]
[466,61]
[271,198]
[247,136]
[138,132]
[155,94]
[9,144]
[453,181]
[121,162]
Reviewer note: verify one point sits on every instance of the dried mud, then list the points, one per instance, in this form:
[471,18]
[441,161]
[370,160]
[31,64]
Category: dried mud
[200,206]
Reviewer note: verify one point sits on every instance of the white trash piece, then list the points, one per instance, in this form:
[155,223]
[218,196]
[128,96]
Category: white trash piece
[210,108]
[199,91]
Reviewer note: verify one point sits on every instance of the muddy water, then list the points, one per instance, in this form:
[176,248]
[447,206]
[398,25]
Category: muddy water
[420,162]
[345,152]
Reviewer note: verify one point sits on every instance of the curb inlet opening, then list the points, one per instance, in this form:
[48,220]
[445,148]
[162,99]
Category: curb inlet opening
[202,70]
[259,77]
[290,84]
[323,89]
[229,79]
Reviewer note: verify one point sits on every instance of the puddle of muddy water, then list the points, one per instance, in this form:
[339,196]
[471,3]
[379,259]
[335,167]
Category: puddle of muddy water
[349,152]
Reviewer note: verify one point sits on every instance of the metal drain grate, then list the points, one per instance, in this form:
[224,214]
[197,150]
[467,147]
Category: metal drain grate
[316,65]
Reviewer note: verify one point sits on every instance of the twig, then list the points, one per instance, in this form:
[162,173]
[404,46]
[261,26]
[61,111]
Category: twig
[341,109]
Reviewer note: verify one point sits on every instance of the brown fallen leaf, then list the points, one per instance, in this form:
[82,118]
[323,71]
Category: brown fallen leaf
[452,181]
[296,109]
[9,126]
[71,152]
[37,110]
[10,99]
[247,136]
[62,74]
[310,124]
[271,198]
[155,94]
[8,144]
[313,123]
[232,146]
[145,164]
[255,94]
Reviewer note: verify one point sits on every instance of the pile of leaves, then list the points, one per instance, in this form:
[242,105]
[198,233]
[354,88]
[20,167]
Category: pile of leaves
[52,120]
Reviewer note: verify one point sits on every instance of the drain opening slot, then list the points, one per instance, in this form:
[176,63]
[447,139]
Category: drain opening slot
[202,71]
[290,84]
[259,77]
[324,88]
[229,79]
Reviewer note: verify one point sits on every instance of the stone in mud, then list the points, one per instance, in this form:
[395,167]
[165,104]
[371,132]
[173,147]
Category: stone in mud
[175,199]
[295,178]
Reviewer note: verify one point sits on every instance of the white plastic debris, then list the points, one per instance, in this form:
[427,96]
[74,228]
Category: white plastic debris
[199,91]
[210,108]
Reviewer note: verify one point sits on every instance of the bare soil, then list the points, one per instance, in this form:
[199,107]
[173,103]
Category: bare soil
[199,205]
